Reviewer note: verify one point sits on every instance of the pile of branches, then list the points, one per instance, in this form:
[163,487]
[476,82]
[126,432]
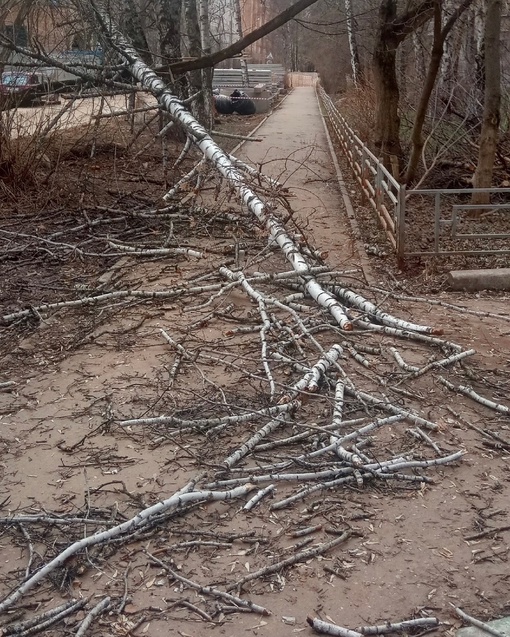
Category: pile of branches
[335,396]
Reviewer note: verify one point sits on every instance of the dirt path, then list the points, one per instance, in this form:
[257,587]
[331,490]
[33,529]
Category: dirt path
[82,373]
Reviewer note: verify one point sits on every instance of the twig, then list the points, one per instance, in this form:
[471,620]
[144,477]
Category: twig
[98,609]
[30,548]
[404,626]
[331,629]
[201,423]
[43,621]
[467,391]
[210,590]
[476,622]
[195,609]
[176,501]
[488,532]
[299,557]
[252,502]
[232,136]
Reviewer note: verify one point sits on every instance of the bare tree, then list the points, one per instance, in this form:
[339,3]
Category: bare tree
[491,110]
[353,43]
[392,30]
[238,47]
[440,34]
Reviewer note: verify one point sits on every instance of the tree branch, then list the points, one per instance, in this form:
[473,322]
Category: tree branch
[240,45]
[407,23]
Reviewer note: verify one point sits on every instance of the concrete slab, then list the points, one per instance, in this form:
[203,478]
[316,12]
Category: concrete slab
[501,625]
[475,280]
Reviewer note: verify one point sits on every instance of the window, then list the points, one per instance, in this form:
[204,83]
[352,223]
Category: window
[18,34]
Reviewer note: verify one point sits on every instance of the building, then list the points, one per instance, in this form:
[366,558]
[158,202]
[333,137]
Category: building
[254,14]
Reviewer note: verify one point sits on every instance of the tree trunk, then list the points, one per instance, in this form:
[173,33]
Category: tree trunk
[440,35]
[352,29]
[207,73]
[392,31]
[170,29]
[135,31]
[491,109]
[387,120]
[21,15]
[239,27]
[479,21]
[194,50]
[452,46]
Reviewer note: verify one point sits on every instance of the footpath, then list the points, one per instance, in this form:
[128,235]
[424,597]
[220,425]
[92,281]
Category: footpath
[295,150]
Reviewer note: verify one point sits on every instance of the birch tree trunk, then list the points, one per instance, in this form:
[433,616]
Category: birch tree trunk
[239,27]
[134,30]
[198,107]
[169,15]
[479,20]
[207,73]
[450,60]
[352,30]
[492,100]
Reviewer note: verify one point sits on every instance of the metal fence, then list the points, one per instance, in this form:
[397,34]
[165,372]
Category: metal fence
[423,222]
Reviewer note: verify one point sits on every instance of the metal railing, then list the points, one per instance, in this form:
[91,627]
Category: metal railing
[423,222]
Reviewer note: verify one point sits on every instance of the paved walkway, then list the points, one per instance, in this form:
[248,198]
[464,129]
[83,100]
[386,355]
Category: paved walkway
[295,151]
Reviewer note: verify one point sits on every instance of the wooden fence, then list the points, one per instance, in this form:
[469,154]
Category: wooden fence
[296,80]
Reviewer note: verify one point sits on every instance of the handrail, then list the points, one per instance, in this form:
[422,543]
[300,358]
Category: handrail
[389,200]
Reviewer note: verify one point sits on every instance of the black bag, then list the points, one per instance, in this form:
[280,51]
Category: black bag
[223,105]
[242,104]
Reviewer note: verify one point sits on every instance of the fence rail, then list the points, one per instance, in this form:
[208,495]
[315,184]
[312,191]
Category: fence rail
[423,222]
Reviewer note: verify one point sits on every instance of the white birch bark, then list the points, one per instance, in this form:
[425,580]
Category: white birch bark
[492,101]
[176,501]
[213,153]
[353,45]
[206,73]
[239,26]
[475,106]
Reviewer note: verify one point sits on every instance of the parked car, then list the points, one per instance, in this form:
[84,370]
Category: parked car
[20,86]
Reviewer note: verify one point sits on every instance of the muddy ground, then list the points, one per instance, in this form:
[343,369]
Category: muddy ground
[73,457]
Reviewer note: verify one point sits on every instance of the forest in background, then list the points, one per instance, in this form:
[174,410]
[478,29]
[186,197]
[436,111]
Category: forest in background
[431,76]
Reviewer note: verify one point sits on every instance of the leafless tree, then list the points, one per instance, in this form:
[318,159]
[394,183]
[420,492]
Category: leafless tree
[392,30]
[440,33]
[491,111]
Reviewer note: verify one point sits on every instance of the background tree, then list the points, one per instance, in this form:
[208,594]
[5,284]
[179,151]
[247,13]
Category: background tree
[352,34]
[491,110]
[392,30]
[440,33]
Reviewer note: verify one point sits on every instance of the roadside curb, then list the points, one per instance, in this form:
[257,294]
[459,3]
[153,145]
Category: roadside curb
[356,234]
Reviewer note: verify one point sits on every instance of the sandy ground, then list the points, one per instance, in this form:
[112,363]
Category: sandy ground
[80,374]
[69,113]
